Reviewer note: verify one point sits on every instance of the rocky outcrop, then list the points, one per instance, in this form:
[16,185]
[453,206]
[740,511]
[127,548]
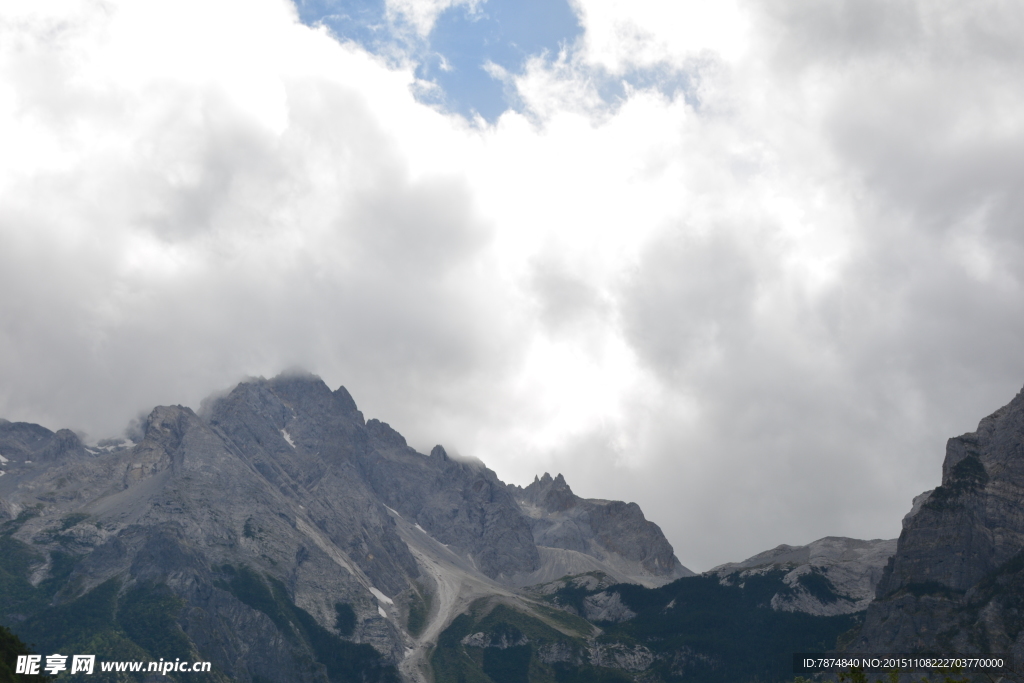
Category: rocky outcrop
[956,582]
[975,516]
[22,442]
[502,640]
[606,606]
[830,576]
[615,534]
[628,657]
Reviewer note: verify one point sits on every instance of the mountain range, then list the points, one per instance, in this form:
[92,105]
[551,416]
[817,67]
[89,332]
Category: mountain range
[281,536]
[277,526]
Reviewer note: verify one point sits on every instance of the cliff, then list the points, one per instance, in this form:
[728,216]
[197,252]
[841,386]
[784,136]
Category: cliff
[956,582]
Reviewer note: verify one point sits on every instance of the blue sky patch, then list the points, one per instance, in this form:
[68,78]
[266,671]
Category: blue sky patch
[362,21]
[503,32]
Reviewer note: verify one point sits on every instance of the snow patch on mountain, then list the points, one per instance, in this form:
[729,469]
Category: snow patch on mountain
[380,596]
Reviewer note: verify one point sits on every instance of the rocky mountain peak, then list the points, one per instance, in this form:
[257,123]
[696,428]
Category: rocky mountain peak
[549,494]
[969,525]
[578,535]
[23,441]
[345,401]
[163,432]
[167,425]
[957,568]
[385,435]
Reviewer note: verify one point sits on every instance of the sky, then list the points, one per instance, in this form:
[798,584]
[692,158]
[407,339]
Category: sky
[746,263]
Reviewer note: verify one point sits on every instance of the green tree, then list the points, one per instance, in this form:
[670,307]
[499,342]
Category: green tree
[10,647]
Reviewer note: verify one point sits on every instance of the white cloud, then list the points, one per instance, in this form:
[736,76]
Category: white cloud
[623,35]
[777,294]
[423,14]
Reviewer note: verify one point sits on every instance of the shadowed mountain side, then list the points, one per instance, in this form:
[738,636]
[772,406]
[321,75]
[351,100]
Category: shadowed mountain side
[975,514]
[956,582]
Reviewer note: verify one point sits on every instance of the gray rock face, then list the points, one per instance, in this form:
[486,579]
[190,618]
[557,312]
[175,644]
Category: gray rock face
[305,439]
[621,656]
[612,532]
[501,641]
[975,514]
[279,499]
[460,504]
[830,576]
[553,653]
[605,606]
[955,580]
[22,441]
